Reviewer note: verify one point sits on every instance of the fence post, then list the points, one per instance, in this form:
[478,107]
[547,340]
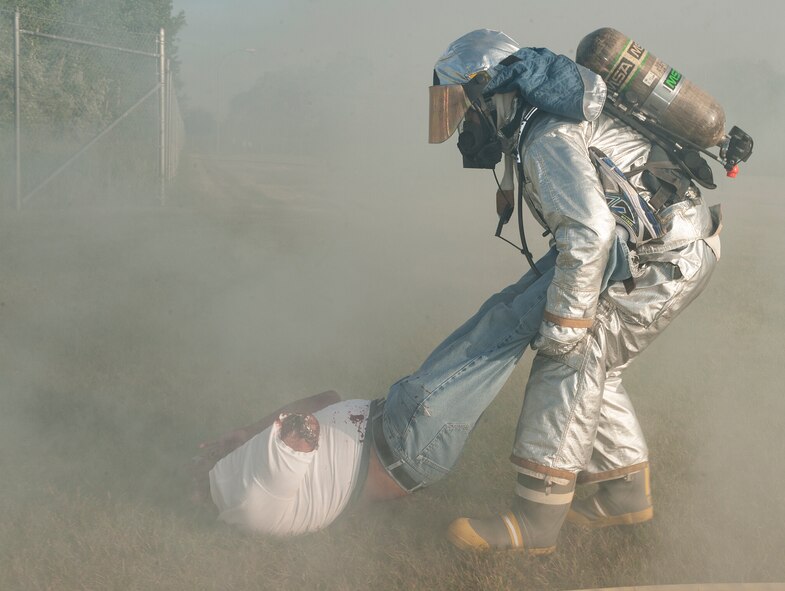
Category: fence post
[17,113]
[162,113]
[170,133]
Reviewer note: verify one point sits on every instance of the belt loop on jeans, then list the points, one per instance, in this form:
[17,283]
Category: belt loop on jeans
[392,465]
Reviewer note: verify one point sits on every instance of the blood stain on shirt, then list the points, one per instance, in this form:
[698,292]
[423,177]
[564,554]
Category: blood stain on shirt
[358,421]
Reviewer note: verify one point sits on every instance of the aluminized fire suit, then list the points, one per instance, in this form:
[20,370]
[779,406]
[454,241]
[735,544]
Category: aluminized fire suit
[576,415]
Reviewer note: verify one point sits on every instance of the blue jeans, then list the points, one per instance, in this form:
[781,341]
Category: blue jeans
[429,415]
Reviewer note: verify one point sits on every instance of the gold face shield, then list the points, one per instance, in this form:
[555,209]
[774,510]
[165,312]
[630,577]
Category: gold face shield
[448,104]
[447,108]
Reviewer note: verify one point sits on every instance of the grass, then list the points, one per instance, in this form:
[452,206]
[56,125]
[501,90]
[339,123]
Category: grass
[128,336]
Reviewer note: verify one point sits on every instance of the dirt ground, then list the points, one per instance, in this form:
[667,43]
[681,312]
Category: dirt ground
[129,334]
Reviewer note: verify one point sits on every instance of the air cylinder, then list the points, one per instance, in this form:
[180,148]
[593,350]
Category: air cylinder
[640,81]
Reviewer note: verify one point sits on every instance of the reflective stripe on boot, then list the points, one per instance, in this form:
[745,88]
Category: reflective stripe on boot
[532,526]
[621,501]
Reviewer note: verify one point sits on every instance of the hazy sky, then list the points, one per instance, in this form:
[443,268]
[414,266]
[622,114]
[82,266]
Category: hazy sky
[386,50]
[405,37]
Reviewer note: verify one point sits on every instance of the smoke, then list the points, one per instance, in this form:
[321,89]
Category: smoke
[329,246]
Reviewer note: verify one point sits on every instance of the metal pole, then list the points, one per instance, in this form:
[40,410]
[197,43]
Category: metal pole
[171,133]
[218,111]
[162,114]
[17,113]
[168,123]
[88,43]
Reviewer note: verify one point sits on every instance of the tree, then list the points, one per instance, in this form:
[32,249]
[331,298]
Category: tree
[84,86]
[70,92]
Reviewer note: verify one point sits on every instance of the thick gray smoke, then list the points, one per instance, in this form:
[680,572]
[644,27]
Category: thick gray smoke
[329,246]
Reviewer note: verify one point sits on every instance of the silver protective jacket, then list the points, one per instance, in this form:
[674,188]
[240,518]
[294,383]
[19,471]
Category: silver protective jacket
[565,195]
[577,416]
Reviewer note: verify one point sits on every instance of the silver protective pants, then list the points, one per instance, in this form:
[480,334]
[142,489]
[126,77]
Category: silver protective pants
[576,415]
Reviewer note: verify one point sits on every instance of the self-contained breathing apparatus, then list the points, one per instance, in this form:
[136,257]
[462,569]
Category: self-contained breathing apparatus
[656,101]
[481,146]
[665,107]
[478,140]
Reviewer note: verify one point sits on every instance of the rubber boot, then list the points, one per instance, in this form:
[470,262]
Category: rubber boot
[532,524]
[621,501]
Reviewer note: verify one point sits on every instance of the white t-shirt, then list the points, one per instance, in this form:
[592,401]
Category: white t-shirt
[266,486]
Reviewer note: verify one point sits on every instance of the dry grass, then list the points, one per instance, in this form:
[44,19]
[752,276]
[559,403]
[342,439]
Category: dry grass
[127,337]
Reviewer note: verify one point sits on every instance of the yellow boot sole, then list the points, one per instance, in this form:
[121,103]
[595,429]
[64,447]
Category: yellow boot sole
[463,536]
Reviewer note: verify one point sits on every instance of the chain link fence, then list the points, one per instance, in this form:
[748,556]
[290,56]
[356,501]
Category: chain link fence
[97,120]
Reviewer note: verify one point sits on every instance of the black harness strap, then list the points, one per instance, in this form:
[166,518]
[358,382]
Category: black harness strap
[687,159]
[664,179]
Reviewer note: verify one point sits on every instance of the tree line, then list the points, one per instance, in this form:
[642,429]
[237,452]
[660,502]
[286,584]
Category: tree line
[64,83]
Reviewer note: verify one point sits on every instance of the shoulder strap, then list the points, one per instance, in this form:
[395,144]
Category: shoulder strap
[688,159]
